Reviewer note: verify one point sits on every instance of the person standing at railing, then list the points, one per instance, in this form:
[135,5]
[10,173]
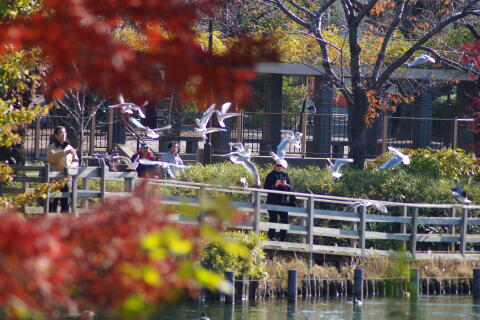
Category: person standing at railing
[172,156]
[61,154]
[278,180]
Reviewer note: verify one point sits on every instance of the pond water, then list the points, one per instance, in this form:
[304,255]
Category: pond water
[427,307]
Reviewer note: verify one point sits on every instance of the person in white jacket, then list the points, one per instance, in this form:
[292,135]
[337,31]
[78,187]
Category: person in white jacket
[61,154]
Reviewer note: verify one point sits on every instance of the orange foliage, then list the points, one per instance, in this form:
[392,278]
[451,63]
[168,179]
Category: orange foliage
[77,35]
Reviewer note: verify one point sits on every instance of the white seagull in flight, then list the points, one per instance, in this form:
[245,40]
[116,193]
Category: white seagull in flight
[334,168]
[202,123]
[223,114]
[242,156]
[398,157]
[128,107]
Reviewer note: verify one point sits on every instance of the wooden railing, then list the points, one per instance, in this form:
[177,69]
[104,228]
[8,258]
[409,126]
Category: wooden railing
[308,217]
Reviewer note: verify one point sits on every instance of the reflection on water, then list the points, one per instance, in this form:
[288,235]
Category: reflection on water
[431,307]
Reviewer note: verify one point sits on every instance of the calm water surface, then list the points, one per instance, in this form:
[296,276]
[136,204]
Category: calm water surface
[434,308]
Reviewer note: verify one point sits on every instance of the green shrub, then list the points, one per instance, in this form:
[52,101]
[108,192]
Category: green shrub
[215,258]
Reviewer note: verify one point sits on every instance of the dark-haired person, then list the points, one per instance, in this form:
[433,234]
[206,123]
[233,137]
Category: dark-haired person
[172,156]
[146,171]
[278,180]
[61,154]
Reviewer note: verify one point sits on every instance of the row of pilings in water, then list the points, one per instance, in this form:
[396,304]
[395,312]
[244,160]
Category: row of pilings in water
[312,286]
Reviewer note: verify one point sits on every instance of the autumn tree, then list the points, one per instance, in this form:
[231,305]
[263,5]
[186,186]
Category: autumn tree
[421,23]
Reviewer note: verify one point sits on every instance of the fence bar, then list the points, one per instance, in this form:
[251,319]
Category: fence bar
[303,149]
[37,138]
[103,182]
[240,127]
[310,225]
[413,238]
[403,227]
[201,195]
[74,194]
[463,232]
[414,285]
[358,284]
[292,286]
[455,133]
[110,130]
[452,228]
[384,133]
[363,228]
[93,125]
[46,174]
[256,211]
[230,297]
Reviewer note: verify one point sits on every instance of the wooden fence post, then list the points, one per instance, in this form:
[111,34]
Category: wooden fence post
[110,130]
[128,184]
[201,194]
[452,228]
[403,228]
[310,225]
[476,283]
[230,297]
[414,285]
[256,211]
[74,194]
[46,174]
[463,232]
[363,228]
[93,127]
[103,181]
[413,238]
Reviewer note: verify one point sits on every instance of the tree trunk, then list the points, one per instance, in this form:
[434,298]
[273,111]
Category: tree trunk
[357,129]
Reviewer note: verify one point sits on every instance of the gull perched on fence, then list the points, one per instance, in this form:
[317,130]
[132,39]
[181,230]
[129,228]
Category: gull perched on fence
[290,137]
[128,107]
[421,59]
[242,156]
[460,194]
[223,114]
[152,133]
[202,123]
[366,203]
[167,167]
[335,167]
[398,157]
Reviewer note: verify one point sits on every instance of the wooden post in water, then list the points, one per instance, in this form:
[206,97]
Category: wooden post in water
[230,297]
[476,283]
[358,284]
[414,285]
[292,286]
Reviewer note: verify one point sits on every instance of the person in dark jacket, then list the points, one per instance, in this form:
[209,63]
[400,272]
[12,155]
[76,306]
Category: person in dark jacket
[278,180]
[146,171]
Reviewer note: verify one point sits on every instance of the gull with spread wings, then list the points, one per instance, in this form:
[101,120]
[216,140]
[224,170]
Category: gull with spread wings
[398,157]
[223,114]
[152,133]
[242,156]
[459,194]
[334,168]
[168,168]
[289,137]
[202,123]
[366,203]
[128,107]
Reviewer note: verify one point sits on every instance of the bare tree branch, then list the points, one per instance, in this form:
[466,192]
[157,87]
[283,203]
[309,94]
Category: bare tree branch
[366,8]
[472,29]
[448,62]
[290,14]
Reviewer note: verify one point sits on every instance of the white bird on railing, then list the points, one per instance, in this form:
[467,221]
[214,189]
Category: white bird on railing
[116,160]
[366,203]
[223,114]
[243,157]
[335,167]
[459,194]
[421,59]
[289,137]
[128,107]
[202,123]
[398,157]
[168,168]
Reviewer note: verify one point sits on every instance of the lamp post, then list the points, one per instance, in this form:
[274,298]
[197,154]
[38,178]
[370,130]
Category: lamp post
[207,148]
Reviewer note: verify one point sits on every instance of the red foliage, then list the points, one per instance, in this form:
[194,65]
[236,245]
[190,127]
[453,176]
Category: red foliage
[471,53]
[76,35]
[56,264]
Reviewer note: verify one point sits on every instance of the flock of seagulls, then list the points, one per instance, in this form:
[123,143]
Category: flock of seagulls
[242,154]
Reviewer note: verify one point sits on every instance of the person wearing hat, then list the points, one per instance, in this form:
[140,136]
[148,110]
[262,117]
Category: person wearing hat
[145,171]
[278,180]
